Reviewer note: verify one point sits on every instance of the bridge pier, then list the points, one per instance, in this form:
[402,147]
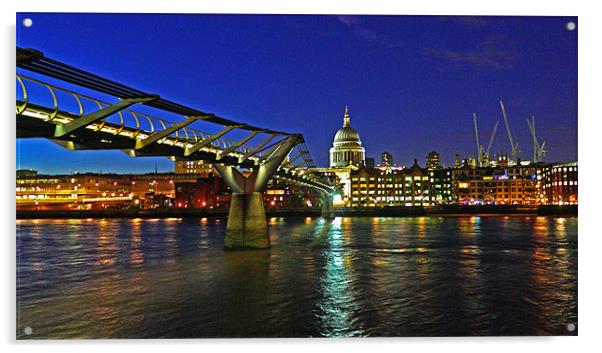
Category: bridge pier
[327,207]
[247,226]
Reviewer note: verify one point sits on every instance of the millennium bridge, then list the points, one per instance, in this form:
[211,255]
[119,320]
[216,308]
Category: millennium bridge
[80,110]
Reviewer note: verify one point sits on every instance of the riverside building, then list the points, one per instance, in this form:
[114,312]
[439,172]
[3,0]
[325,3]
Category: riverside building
[381,187]
[559,183]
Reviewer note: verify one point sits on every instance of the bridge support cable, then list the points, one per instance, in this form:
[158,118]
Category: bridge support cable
[142,143]
[272,149]
[298,165]
[236,145]
[206,142]
[80,123]
[257,149]
[270,165]
[292,160]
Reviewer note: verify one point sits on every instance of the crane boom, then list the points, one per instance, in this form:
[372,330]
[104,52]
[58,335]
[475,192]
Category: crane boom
[538,148]
[476,132]
[512,144]
[534,138]
[492,137]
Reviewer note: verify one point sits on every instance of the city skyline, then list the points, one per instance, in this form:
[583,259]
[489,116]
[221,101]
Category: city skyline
[192,176]
[385,68]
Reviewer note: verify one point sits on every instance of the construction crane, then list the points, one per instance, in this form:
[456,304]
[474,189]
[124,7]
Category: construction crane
[483,154]
[513,144]
[476,132]
[492,137]
[538,149]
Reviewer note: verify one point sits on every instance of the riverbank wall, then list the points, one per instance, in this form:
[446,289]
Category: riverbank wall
[447,210]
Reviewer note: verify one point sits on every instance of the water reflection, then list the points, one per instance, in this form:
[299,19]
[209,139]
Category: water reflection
[137,278]
[137,255]
[336,306]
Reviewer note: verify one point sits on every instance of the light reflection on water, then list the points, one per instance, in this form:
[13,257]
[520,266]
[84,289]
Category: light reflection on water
[427,276]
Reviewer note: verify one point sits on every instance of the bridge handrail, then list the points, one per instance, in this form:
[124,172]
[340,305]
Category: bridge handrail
[35,61]
[22,79]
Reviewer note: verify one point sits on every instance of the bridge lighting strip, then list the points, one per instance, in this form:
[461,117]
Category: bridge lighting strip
[137,116]
[44,65]
[172,141]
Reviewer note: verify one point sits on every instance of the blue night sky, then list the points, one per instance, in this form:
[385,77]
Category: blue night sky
[411,82]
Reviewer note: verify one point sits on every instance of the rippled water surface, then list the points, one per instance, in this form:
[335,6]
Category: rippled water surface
[426,276]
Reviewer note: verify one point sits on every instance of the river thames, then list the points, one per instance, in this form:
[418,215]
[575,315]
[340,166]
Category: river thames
[347,277]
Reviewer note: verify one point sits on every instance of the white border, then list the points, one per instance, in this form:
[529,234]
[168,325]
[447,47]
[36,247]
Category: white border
[590,61]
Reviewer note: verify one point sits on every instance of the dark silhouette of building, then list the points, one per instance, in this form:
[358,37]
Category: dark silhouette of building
[432,160]
[386,159]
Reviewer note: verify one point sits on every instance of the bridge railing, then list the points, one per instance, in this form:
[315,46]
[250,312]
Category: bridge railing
[127,122]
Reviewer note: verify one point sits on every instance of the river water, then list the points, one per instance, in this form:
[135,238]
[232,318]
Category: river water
[348,277]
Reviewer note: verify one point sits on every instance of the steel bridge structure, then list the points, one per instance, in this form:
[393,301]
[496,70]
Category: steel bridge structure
[80,110]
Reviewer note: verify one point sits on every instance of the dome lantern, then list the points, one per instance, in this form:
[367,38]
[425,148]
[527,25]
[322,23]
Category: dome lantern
[346,119]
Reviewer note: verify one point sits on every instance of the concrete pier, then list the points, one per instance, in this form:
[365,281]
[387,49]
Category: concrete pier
[247,226]
[327,208]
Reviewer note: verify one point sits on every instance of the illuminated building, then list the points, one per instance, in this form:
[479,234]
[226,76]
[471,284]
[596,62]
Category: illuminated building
[347,147]
[502,160]
[441,185]
[372,187]
[473,186]
[560,184]
[95,191]
[515,185]
[205,192]
[193,167]
[416,186]
[386,159]
[364,187]
[457,161]
[466,185]
[281,194]
[78,191]
[432,161]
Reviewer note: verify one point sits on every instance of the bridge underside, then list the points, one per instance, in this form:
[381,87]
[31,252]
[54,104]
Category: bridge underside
[110,137]
[247,225]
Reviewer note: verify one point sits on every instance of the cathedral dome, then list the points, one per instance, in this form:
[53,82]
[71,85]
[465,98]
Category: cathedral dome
[347,134]
[347,147]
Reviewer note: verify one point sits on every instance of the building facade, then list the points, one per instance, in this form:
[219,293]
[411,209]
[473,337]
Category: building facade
[95,191]
[204,192]
[441,186]
[386,159]
[432,161]
[560,184]
[508,185]
[193,167]
[382,187]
